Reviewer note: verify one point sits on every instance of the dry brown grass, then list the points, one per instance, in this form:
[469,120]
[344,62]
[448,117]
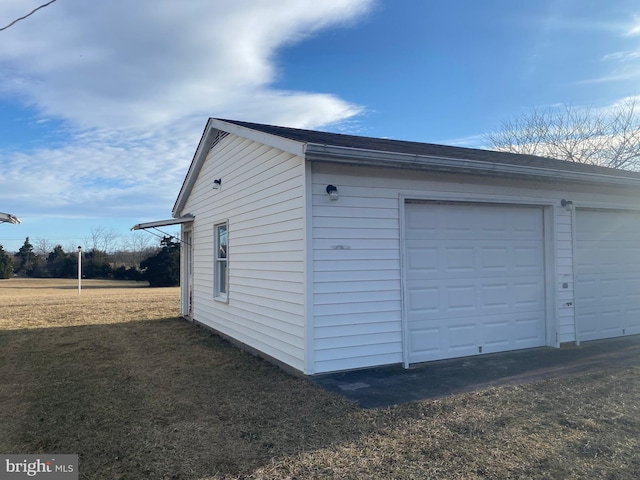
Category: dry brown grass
[114,376]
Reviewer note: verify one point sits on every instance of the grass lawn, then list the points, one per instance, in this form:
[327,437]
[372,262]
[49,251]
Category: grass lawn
[115,376]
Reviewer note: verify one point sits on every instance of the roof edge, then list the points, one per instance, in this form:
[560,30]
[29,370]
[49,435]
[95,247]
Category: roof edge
[210,133]
[378,158]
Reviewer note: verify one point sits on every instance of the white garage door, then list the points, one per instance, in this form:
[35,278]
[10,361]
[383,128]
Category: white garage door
[607,273]
[474,279]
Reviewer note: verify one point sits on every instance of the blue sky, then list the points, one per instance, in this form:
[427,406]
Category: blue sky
[102,104]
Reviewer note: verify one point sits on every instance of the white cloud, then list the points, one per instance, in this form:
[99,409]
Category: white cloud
[146,63]
[634,29]
[135,83]
[624,56]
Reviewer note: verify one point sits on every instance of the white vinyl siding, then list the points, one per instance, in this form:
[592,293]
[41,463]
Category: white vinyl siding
[321,285]
[564,275]
[357,277]
[262,197]
[357,302]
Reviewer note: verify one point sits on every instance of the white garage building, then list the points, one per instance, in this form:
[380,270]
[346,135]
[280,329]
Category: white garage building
[327,252]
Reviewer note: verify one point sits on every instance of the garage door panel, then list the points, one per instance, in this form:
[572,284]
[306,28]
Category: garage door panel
[482,259]
[607,273]
[426,342]
[528,330]
[461,335]
[461,299]
[452,221]
[495,296]
[459,260]
[527,294]
[456,337]
[478,292]
[423,300]
[474,297]
[422,258]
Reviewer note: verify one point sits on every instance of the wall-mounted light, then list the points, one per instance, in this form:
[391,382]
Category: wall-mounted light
[216,183]
[332,190]
[567,204]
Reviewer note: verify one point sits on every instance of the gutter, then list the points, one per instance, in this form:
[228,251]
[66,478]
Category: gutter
[377,158]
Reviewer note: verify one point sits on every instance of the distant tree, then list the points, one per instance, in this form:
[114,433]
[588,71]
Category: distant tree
[61,264]
[42,246]
[609,138]
[102,239]
[137,247]
[124,273]
[25,259]
[96,264]
[6,264]
[163,268]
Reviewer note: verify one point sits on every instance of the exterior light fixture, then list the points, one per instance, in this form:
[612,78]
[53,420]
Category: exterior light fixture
[567,204]
[332,190]
[216,183]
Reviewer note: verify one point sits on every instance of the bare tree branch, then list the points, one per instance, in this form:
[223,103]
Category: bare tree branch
[102,239]
[609,138]
[27,15]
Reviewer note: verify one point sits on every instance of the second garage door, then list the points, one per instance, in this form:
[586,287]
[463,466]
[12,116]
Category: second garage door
[474,279]
[607,273]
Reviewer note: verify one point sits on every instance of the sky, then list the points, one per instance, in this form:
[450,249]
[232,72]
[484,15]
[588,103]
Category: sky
[103,103]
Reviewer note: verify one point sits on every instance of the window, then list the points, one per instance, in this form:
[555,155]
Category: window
[221,271]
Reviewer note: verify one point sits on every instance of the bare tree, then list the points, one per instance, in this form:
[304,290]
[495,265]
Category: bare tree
[101,239]
[42,247]
[134,248]
[608,137]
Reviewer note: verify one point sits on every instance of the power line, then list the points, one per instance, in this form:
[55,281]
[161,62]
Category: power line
[27,15]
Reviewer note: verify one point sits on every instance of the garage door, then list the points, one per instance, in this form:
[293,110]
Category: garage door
[607,273]
[474,279]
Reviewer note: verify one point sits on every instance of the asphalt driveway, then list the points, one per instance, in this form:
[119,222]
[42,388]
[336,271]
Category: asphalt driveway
[394,385]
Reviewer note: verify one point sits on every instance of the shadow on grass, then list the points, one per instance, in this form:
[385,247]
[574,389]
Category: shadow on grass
[164,399]
[157,399]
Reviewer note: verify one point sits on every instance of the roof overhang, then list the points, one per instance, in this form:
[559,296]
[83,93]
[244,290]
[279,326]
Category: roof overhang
[211,132]
[164,223]
[8,218]
[375,158]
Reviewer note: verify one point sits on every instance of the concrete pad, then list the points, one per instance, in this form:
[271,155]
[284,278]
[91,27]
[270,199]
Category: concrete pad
[394,385]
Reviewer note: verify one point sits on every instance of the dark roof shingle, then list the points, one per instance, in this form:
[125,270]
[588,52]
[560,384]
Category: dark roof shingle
[429,149]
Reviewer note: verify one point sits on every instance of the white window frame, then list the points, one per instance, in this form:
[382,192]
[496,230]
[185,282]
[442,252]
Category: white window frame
[219,263]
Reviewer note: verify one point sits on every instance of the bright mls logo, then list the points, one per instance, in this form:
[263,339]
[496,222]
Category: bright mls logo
[49,467]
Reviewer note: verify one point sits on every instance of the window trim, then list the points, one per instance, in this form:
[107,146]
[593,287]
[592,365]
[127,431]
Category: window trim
[217,262]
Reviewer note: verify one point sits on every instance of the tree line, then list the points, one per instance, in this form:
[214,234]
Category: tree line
[160,266]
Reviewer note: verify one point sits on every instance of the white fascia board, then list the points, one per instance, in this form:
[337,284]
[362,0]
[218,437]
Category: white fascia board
[164,223]
[290,146]
[356,156]
[211,130]
[8,218]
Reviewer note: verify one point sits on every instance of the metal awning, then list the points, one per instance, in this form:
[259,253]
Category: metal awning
[7,217]
[164,223]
